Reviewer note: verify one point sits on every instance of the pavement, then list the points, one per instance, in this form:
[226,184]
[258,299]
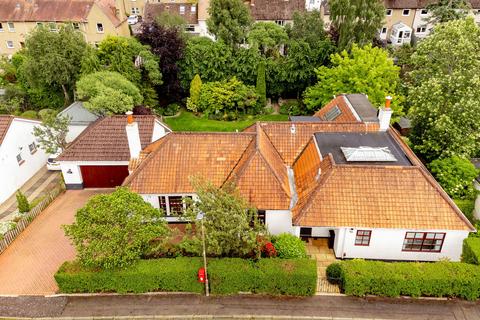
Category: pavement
[41,183]
[189,306]
[27,266]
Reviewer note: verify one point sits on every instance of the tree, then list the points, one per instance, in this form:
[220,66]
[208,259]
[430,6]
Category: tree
[307,26]
[107,92]
[195,89]
[356,21]
[112,230]
[447,10]
[456,176]
[53,59]
[168,44]
[444,92]
[268,37]
[22,202]
[227,220]
[365,70]
[51,135]
[229,21]
[261,85]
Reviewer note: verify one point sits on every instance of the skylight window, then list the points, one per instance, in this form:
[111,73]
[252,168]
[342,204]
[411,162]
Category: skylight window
[333,114]
[368,154]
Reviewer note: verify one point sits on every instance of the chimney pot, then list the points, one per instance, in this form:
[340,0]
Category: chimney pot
[129,117]
[388,100]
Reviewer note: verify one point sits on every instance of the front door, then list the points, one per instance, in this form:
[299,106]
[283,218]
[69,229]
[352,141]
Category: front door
[331,238]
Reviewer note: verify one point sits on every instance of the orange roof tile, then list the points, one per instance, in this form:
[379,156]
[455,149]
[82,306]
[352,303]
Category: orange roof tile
[5,122]
[346,114]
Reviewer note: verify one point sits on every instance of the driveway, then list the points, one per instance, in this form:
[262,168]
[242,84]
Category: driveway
[27,266]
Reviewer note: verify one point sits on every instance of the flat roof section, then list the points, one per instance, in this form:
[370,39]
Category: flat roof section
[331,142]
[304,119]
[365,110]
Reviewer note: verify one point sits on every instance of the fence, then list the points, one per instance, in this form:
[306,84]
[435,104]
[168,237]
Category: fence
[28,218]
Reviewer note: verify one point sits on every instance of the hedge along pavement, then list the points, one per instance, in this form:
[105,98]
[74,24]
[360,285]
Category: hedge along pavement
[393,279]
[295,277]
[471,250]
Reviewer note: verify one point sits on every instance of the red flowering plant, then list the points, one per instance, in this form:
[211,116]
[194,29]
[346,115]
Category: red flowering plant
[268,250]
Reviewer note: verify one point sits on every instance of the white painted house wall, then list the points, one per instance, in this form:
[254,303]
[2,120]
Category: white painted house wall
[17,139]
[279,221]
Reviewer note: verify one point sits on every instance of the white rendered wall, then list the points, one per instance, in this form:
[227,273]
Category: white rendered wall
[279,221]
[17,139]
[74,131]
[386,244]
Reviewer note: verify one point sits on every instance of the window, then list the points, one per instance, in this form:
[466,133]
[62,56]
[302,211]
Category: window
[421,29]
[1,27]
[11,26]
[193,8]
[100,27]
[406,12]
[424,12]
[363,237]
[173,204]
[280,22]
[135,10]
[163,203]
[388,12]
[176,204]
[53,26]
[190,28]
[9,44]
[182,9]
[333,114]
[423,241]
[305,232]
[384,30]
[76,26]
[261,216]
[32,147]
[20,160]
[406,35]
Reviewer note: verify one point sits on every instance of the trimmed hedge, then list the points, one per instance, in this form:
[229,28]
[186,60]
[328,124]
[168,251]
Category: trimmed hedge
[177,275]
[471,250]
[393,279]
[289,246]
[294,277]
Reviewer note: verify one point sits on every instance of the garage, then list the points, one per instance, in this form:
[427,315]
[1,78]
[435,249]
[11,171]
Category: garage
[103,176]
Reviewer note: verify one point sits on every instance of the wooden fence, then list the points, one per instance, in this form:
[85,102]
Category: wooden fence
[28,218]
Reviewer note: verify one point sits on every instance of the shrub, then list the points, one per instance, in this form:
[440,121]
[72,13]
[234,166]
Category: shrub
[195,89]
[466,206]
[268,250]
[30,114]
[334,273]
[392,279]
[292,108]
[261,85]
[471,250]
[289,246]
[178,274]
[169,110]
[45,113]
[22,202]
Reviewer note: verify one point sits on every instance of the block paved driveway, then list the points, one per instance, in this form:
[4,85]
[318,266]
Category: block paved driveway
[27,266]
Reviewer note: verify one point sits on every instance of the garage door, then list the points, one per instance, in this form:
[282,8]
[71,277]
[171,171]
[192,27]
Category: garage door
[103,176]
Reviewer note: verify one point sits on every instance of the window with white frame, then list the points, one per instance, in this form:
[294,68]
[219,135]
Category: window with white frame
[9,44]
[32,147]
[174,204]
[424,12]
[135,10]
[280,22]
[1,27]
[388,12]
[100,27]
[190,28]
[182,9]
[76,26]
[193,8]
[11,26]
[406,12]
[20,159]
[421,29]
[384,30]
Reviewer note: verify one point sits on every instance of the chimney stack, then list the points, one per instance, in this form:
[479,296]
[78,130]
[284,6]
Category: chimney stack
[385,114]
[133,136]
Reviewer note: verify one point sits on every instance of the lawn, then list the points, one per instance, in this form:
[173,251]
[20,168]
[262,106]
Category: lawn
[187,121]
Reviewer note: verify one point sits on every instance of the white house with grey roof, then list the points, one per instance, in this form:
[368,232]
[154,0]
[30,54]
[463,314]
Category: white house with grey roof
[80,119]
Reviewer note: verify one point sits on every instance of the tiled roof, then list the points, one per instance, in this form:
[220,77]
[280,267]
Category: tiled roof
[5,122]
[152,10]
[106,140]
[378,197]
[346,114]
[275,9]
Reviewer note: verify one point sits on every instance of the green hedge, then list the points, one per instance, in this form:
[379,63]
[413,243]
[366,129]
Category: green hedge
[466,206]
[177,275]
[294,277]
[471,250]
[393,279]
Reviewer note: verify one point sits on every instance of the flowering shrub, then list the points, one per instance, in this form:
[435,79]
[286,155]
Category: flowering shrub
[268,250]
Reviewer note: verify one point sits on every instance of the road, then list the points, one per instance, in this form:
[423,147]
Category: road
[187,306]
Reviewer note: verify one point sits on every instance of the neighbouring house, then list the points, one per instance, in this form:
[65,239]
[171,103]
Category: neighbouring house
[80,119]
[476,163]
[20,155]
[185,9]
[99,156]
[95,19]
[345,175]
[404,126]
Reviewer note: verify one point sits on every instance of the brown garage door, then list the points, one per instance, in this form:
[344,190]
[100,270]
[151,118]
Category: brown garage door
[103,176]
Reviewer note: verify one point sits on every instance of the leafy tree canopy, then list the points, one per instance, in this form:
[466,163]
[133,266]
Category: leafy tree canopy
[52,134]
[307,26]
[107,92]
[356,21]
[444,92]
[229,21]
[447,10]
[268,37]
[365,70]
[112,230]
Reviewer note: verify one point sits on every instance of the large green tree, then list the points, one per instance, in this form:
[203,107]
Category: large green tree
[447,10]
[112,230]
[106,92]
[366,70]
[268,37]
[356,21]
[445,90]
[229,21]
[53,59]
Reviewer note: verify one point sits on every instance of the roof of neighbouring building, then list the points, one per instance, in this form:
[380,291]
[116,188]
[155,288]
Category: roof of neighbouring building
[153,10]
[106,139]
[304,119]
[78,114]
[404,123]
[54,10]
[5,122]
[275,9]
